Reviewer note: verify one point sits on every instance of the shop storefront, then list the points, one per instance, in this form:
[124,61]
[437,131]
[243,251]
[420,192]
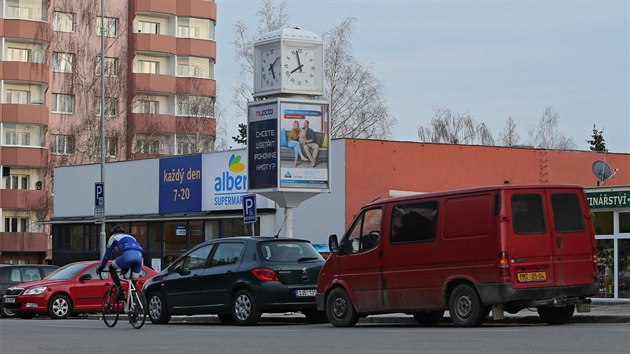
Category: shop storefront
[610,209]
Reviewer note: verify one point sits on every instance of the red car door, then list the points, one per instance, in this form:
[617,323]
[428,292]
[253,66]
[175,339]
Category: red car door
[571,236]
[87,289]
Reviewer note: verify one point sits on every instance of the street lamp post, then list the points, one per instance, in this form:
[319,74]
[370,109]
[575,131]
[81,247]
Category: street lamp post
[102,235]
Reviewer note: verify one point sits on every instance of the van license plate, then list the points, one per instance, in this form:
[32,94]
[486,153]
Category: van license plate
[303,293]
[531,277]
[9,300]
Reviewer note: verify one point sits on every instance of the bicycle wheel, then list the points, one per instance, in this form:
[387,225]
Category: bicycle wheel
[138,313]
[110,307]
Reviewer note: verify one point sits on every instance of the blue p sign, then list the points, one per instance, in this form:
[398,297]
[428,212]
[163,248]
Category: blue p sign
[249,208]
[99,193]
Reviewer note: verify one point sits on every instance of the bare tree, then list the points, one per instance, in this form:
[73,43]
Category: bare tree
[509,136]
[450,128]
[546,134]
[357,104]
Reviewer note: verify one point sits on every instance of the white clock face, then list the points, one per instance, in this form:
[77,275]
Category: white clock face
[270,68]
[299,68]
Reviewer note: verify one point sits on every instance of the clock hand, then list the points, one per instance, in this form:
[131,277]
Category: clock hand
[296,69]
[298,58]
[272,72]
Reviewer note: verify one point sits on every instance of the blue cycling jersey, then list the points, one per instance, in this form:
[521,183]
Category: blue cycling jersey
[121,243]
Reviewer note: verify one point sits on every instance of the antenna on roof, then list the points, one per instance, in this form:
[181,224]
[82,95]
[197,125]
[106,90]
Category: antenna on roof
[602,171]
[281,226]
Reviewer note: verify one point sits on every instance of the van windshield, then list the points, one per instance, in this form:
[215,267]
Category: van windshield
[528,215]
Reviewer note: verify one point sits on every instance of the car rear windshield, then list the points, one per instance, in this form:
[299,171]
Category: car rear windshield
[66,272]
[567,213]
[528,216]
[287,251]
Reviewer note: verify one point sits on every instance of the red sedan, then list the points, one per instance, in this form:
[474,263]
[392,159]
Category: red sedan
[72,289]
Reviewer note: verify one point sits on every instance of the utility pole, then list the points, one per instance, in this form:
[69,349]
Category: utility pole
[102,236]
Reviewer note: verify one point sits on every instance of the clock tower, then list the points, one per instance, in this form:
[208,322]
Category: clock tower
[288,63]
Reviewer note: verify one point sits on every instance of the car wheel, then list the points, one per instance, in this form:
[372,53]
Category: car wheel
[428,317]
[59,307]
[226,317]
[314,316]
[556,315]
[158,312]
[465,308]
[6,313]
[340,310]
[244,308]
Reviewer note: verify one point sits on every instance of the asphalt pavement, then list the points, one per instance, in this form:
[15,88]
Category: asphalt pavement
[601,312]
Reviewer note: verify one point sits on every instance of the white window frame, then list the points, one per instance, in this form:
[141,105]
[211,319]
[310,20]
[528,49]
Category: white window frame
[111,67]
[17,182]
[148,27]
[148,106]
[110,26]
[19,12]
[62,62]
[149,66]
[16,224]
[184,104]
[111,106]
[62,103]
[148,146]
[61,144]
[17,138]
[13,96]
[19,54]
[63,21]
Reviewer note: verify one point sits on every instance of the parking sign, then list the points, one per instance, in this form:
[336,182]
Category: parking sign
[249,208]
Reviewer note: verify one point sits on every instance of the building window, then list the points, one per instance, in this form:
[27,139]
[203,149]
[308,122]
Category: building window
[111,67]
[195,106]
[110,26]
[16,11]
[111,106]
[147,146]
[147,106]
[62,62]
[62,144]
[16,224]
[185,147]
[12,137]
[193,67]
[111,146]
[149,67]
[63,21]
[18,54]
[188,27]
[16,182]
[148,27]
[17,96]
[62,103]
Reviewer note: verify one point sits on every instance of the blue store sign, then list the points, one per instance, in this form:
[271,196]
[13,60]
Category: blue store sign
[180,184]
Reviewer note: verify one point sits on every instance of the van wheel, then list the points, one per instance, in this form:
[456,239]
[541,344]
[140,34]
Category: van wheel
[556,315]
[465,307]
[428,317]
[340,310]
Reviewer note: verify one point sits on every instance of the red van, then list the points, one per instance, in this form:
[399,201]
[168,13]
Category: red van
[498,248]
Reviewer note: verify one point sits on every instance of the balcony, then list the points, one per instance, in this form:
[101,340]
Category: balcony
[196,86]
[14,28]
[24,113]
[153,83]
[23,156]
[197,47]
[146,42]
[152,123]
[23,242]
[191,8]
[21,71]
[194,125]
[27,199]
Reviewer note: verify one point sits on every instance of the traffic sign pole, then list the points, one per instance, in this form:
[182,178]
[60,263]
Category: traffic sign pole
[249,211]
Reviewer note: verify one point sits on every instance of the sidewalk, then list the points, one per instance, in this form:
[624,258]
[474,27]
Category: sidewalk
[601,312]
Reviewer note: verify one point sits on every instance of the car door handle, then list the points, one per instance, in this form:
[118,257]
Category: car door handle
[559,242]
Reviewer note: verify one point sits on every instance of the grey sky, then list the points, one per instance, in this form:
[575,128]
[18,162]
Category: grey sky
[494,59]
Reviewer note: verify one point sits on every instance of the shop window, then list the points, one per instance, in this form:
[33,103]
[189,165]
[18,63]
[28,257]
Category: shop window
[624,223]
[175,233]
[74,238]
[603,223]
[624,268]
[605,265]
[196,233]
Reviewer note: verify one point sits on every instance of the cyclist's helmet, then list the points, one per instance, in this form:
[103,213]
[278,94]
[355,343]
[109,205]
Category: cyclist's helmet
[118,229]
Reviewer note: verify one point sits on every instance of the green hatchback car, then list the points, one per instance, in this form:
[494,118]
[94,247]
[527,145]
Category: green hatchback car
[238,278]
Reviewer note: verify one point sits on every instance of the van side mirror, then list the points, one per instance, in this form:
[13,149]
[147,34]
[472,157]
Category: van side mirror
[333,244]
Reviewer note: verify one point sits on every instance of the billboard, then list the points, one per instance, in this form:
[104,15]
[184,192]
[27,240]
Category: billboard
[288,145]
[180,184]
[225,181]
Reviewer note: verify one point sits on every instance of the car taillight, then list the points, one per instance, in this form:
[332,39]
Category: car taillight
[504,266]
[265,274]
[594,255]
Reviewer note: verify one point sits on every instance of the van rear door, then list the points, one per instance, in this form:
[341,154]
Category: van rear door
[571,235]
[529,240]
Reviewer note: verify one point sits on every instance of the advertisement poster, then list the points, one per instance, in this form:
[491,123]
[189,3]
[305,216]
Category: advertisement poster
[225,181]
[262,148]
[180,184]
[304,145]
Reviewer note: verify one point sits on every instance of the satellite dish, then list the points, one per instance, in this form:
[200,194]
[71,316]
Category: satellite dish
[602,171]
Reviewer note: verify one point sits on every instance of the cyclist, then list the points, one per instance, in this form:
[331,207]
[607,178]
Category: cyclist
[130,256]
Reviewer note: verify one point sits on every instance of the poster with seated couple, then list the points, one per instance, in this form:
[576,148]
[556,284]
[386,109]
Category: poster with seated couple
[303,157]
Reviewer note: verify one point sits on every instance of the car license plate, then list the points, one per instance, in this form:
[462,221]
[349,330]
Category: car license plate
[531,277]
[9,300]
[303,293]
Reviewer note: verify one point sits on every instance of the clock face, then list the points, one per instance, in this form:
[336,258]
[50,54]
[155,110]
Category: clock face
[270,68]
[299,68]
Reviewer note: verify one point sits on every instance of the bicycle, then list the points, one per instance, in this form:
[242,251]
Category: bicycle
[134,305]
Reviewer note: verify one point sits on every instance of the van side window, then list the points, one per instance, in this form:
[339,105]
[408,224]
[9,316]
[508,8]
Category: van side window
[365,233]
[528,216]
[567,214]
[414,222]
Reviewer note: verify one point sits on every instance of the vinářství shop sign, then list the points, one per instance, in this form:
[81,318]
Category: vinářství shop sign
[616,199]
